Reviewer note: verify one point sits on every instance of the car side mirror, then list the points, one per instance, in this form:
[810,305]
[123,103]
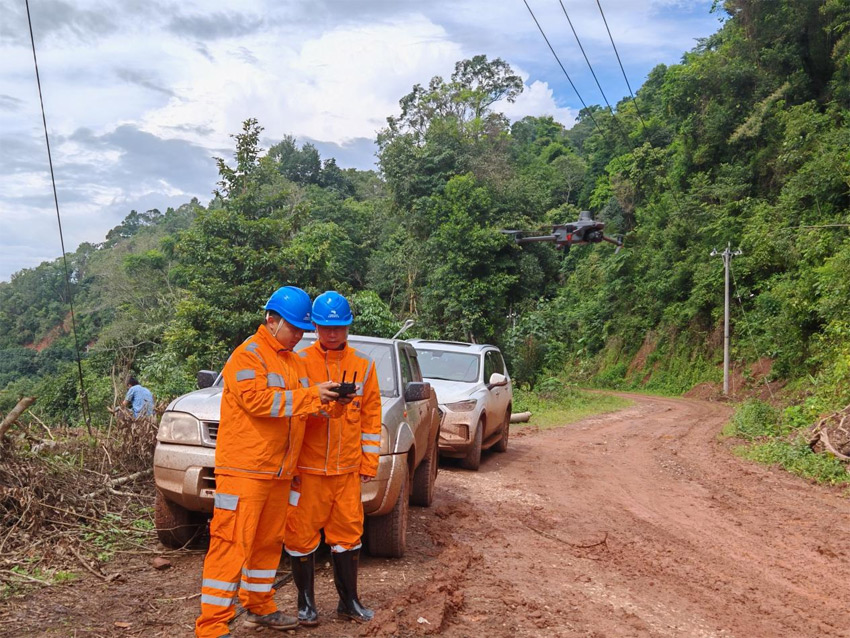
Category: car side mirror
[417,391]
[496,380]
[206,378]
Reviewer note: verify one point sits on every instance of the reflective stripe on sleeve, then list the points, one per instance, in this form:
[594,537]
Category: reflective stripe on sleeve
[216,600]
[219,584]
[254,349]
[305,382]
[287,408]
[244,375]
[274,380]
[226,501]
[371,448]
[276,405]
[370,437]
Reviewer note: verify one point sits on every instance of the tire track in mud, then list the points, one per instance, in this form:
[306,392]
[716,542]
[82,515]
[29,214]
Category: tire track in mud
[636,524]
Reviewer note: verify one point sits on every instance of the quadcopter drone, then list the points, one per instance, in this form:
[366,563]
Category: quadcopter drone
[584,231]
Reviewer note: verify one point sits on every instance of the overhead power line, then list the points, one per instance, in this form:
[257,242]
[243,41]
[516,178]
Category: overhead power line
[634,101]
[558,60]
[593,73]
[84,401]
[620,62]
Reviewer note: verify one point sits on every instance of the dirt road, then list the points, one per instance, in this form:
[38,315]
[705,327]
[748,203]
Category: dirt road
[638,523]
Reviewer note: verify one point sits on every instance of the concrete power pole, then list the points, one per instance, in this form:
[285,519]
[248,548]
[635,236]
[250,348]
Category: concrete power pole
[727,260]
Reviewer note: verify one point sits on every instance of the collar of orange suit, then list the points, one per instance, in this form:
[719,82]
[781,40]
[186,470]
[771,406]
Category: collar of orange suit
[264,334]
[333,355]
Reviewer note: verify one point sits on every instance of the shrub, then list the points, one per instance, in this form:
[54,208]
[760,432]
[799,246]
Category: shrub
[754,419]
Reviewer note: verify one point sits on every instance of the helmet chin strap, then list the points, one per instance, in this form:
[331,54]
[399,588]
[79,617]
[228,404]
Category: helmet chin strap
[276,330]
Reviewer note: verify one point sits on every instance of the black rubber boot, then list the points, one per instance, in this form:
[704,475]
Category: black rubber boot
[345,579]
[303,573]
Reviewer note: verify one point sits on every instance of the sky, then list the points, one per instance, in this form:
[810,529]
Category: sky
[139,96]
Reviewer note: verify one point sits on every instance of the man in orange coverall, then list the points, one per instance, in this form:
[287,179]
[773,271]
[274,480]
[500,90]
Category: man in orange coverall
[264,408]
[340,451]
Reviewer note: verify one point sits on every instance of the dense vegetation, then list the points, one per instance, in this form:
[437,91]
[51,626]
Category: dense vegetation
[745,142]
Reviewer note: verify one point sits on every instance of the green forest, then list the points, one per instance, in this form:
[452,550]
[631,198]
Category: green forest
[745,143]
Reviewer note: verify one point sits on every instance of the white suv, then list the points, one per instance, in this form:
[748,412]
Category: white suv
[475,394]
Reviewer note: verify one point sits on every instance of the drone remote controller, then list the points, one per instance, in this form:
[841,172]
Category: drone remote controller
[345,390]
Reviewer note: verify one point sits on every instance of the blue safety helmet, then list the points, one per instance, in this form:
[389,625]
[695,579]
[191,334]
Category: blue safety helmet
[293,304]
[331,309]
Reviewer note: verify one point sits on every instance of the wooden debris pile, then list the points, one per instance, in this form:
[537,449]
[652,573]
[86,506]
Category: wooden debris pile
[832,435]
[69,499]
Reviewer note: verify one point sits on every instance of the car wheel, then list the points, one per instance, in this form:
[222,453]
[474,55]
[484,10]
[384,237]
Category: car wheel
[387,535]
[472,461]
[424,478]
[176,526]
[502,444]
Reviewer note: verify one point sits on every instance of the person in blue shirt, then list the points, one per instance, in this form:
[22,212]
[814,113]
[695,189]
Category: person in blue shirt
[138,398]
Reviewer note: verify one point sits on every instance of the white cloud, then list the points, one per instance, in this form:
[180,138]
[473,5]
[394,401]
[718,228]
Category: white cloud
[538,99]
[138,95]
[336,87]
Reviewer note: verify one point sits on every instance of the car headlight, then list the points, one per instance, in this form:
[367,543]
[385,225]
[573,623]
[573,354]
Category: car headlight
[462,406]
[179,427]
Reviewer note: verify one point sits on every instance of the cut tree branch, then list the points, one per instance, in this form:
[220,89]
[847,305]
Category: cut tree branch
[119,481]
[23,404]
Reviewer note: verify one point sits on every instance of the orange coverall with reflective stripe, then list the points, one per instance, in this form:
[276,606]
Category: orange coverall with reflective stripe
[264,408]
[338,448]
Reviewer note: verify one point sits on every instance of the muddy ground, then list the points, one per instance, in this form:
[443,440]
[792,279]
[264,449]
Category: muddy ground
[637,523]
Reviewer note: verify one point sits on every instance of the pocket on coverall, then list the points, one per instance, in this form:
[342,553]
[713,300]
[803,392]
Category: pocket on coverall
[223,524]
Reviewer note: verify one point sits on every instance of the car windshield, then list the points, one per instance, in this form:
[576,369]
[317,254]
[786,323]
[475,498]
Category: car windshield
[381,354]
[450,366]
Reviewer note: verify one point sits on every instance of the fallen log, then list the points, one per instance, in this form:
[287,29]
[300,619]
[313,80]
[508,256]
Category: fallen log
[119,481]
[824,437]
[520,417]
[17,411]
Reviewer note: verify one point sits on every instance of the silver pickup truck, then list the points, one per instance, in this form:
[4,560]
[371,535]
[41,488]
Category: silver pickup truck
[184,457]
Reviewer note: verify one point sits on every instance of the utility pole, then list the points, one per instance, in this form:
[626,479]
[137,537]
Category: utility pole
[727,261]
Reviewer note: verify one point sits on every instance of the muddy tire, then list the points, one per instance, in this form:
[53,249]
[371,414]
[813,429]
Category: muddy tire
[424,478]
[502,444]
[176,526]
[472,461]
[386,535]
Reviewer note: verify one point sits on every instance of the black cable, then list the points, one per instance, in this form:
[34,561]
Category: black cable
[593,73]
[617,53]
[634,101]
[84,401]
[590,114]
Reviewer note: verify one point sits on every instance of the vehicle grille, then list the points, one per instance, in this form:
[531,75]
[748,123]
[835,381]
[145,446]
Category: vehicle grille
[209,432]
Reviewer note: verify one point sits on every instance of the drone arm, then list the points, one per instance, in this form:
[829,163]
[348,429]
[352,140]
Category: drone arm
[533,240]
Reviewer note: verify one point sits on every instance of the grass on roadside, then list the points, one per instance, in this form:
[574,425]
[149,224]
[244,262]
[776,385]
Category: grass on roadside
[554,403]
[797,457]
[775,438]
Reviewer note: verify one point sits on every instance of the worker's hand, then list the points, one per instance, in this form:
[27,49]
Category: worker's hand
[365,479]
[325,393]
[345,400]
